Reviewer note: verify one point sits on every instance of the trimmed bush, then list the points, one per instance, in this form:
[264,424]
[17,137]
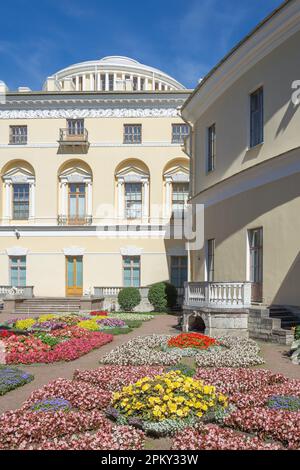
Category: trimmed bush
[157,297]
[162,296]
[129,298]
[171,293]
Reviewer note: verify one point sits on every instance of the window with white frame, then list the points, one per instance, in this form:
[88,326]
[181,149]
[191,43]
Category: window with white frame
[210,259]
[18,135]
[75,126]
[133,200]
[211,148]
[132,133]
[179,133]
[131,271]
[18,271]
[257,117]
[21,201]
[179,270]
[180,194]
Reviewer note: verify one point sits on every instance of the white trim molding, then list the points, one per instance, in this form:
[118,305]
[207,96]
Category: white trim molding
[74,251]
[89,113]
[131,251]
[17,251]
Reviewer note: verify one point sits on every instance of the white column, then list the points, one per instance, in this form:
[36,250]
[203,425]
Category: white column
[121,198]
[89,202]
[84,82]
[146,198]
[115,81]
[168,196]
[32,200]
[98,81]
[146,84]
[63,203]
[139,83]
[77,82]
[92,82]
[106,82]
[8,195]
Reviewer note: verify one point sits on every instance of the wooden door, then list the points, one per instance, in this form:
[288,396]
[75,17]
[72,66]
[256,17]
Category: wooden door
[74,276]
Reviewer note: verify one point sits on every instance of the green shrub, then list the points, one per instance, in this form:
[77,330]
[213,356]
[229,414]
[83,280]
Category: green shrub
[157,296]
[47,339]
[297,332]
[117,331]
[133,323]
[171,293]
[129,298]
[162,295]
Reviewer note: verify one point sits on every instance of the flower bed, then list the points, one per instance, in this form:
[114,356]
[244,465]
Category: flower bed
[154,350]
[74,343]
[213,437]
[167,397]
[11,378]
[70,414]
[191,340]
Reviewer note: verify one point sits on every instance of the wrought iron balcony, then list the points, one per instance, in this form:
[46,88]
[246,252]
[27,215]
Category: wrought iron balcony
[74,220]
[71,137]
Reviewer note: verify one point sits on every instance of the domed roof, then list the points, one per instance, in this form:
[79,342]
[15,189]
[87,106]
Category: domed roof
[118,65]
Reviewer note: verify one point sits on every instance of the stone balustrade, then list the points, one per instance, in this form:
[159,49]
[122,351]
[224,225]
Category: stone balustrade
[227,295]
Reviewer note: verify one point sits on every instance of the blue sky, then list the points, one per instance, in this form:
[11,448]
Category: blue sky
[183,38]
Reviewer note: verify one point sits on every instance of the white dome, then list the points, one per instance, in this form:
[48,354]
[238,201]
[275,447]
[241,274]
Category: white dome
[113,73]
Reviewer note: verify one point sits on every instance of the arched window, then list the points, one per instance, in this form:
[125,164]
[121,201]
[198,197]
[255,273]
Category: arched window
[176,187]
[19,191]
[133,191]
[75,198]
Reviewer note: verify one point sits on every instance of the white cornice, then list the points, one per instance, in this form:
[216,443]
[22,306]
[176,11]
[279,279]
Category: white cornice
[259,175]
[266,39]
[94,144]
[77,113]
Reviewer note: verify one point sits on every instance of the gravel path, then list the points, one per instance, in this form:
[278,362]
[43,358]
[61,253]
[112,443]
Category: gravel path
[162,324]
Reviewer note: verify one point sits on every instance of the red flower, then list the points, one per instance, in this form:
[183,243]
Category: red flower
[191,340]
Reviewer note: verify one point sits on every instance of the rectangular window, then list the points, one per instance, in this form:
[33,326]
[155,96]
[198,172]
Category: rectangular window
[110,82]
[132,133]
[77,202]
[257,117]
[75,126]
[103,82]
[180,196]
[21,201]
[133,200]
[179,133]
[211,148]
[256,263]
[18,135]
[18,271]
[210,259]
[131,271]
[134,83]
[142,84]
[178,270]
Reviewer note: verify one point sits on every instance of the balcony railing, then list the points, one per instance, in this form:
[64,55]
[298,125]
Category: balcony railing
[67,137]
[74,220]
[114,291]
[227,295]
[15,292]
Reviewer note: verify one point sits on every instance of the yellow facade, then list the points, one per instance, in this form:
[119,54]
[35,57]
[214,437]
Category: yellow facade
[251,187]
[103,165]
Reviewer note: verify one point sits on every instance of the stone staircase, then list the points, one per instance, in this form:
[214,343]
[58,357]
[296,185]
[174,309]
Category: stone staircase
[47,305]
[289,318]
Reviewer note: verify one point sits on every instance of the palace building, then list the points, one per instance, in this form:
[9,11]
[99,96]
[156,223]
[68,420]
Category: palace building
[92,173]
[245,169]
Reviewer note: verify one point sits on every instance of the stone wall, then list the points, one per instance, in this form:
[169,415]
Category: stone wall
[217,322]
[262,327]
